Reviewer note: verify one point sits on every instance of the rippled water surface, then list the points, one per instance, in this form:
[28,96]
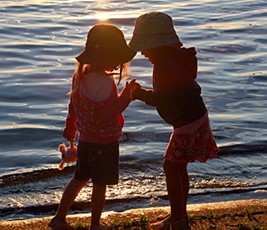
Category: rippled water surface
[38,43]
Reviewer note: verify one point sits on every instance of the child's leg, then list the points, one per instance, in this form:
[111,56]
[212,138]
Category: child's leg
[177,187]
[98,201]
[68,197]
[185,187]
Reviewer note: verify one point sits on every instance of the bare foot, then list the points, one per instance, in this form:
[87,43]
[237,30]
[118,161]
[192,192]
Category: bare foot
[59,225]
[160,225]
[167,224]
[179,225]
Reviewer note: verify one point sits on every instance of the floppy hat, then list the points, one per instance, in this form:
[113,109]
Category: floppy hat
[153,30]
[105,47]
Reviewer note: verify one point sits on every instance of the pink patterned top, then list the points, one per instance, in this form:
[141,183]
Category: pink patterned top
[97,122]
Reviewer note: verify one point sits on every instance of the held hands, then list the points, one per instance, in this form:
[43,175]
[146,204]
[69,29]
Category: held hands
[132,86]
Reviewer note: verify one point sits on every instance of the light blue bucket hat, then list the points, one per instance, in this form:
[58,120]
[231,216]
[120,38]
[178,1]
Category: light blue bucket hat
[153,30]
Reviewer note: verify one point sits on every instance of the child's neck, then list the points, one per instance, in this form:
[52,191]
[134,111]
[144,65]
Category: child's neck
[100,70]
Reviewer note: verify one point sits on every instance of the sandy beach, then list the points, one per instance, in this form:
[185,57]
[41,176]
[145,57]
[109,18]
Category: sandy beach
[242,214]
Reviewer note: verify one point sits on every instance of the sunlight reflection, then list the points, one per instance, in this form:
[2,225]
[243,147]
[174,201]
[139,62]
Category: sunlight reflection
[24,126]
[102,16]
[7,3]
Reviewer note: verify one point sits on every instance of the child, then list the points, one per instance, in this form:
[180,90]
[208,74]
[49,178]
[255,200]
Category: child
[177,97]
[95,110]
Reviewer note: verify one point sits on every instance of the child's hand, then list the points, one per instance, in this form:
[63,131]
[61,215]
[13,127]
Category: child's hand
[71,144]
[133,86]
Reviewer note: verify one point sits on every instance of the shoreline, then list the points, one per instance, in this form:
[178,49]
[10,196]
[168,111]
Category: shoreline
[216,215]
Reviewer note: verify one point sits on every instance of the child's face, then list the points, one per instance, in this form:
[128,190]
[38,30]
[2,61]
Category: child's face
[150,54]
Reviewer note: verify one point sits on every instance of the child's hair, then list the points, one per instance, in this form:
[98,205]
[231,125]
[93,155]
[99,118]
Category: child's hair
[81,70]
[105,49]
[124,72]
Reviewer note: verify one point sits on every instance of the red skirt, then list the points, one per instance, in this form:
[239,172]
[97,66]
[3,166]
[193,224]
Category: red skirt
[189,147]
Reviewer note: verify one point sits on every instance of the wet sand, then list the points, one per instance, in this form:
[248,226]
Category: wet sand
[242,214]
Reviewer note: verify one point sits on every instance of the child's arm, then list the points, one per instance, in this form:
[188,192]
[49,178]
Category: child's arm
[146,95]
[118,103]
[69,131]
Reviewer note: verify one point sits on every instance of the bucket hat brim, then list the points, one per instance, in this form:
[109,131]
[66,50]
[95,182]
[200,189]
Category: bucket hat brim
[109,60]
[145,42]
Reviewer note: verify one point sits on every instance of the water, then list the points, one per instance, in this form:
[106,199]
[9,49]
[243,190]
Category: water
[38,43]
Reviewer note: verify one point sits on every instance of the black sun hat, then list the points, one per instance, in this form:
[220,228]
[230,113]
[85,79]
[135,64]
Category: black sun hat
[105,47]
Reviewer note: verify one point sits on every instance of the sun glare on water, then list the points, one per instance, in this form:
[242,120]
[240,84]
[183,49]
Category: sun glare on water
[102,16]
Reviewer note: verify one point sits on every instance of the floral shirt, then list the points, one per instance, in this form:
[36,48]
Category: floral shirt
[97,122]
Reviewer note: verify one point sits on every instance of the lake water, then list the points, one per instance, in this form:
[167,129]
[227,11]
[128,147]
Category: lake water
[38,42]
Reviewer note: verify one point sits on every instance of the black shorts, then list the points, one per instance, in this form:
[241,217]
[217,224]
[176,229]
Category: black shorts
[99,162]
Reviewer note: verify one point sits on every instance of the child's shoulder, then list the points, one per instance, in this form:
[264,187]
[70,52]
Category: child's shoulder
[98,76]
[98,85]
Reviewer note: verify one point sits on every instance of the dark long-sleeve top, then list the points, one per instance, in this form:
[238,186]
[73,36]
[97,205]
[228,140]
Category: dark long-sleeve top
[175,93]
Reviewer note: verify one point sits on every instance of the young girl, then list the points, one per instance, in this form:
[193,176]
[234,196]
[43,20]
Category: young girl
[95,110]
[177,97]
